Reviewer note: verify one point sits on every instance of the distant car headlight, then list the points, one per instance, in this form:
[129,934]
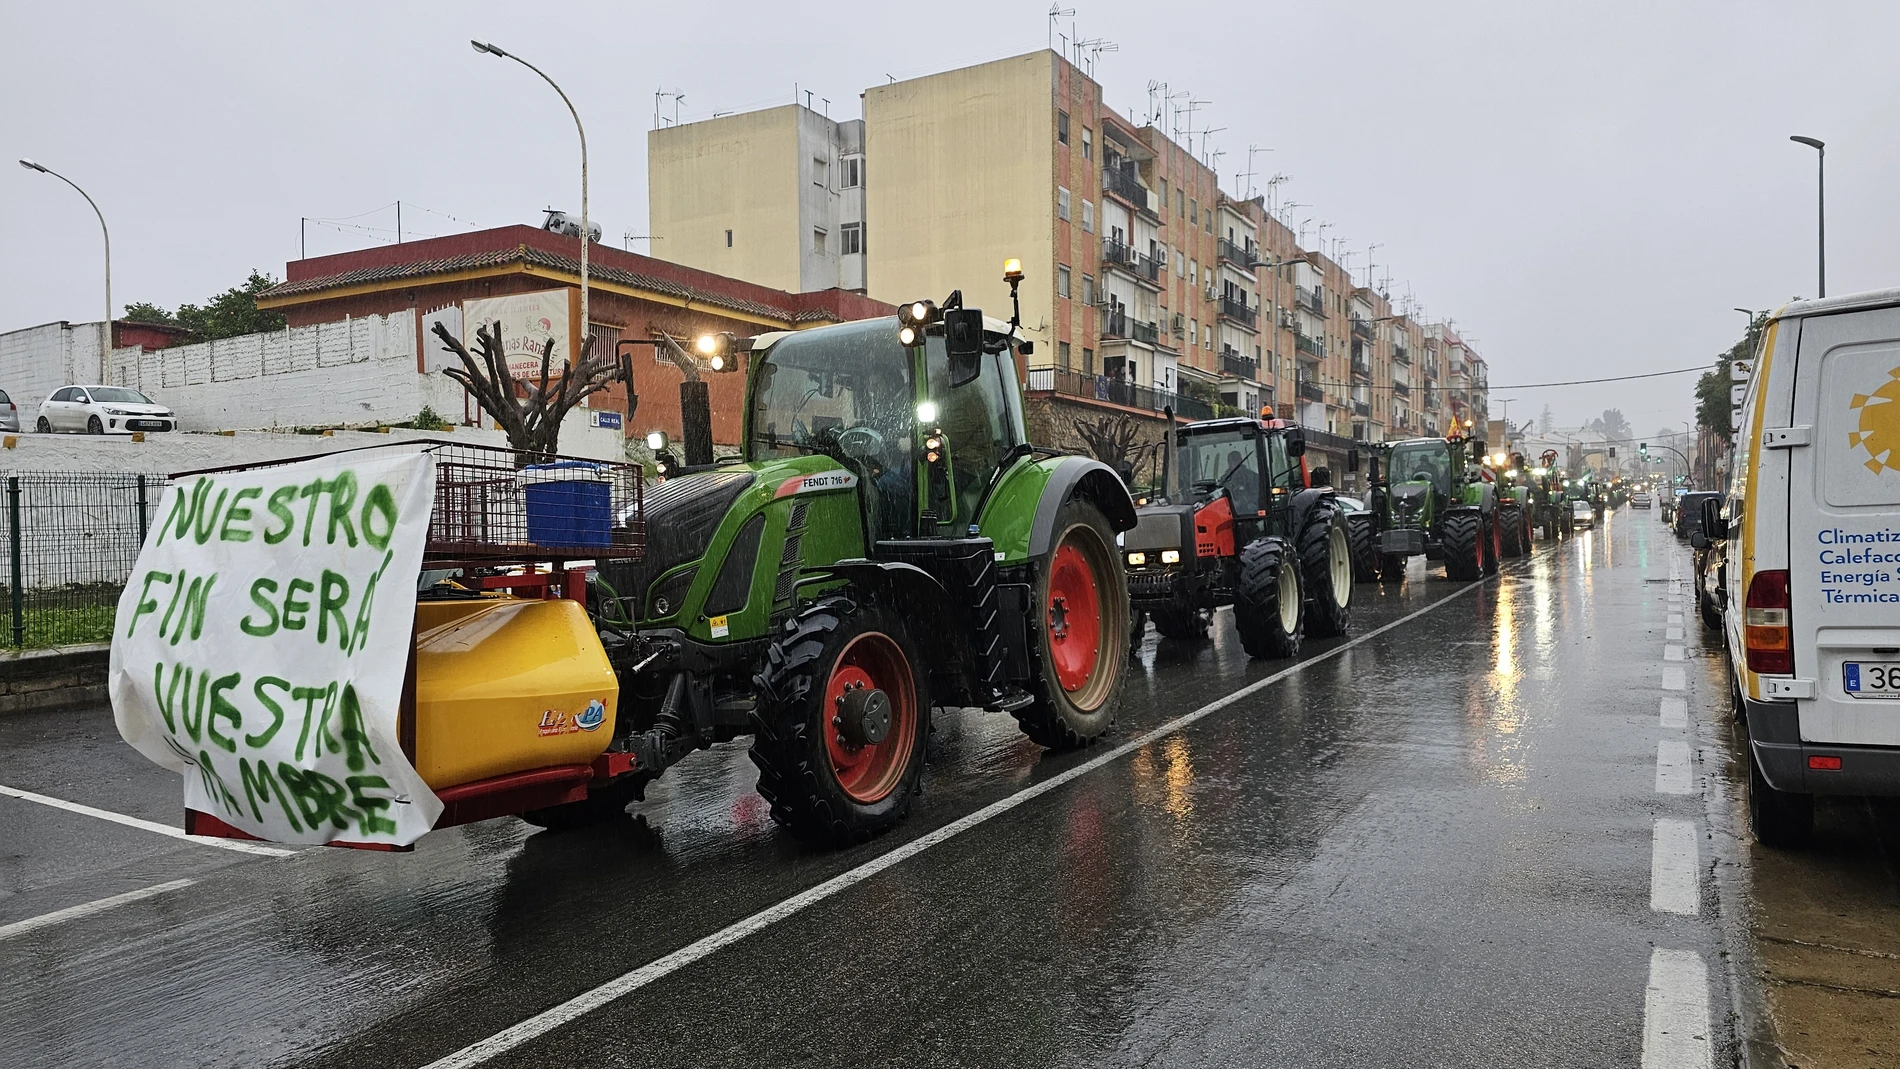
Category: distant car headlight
[1138,559]
[1170,556]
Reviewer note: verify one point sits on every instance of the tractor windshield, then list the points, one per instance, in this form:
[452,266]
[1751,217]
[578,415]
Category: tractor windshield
[1218,459]
[1422,462]
[811,389]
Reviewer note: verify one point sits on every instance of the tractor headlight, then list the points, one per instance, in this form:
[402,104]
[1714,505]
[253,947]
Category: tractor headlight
[656,440]
[907,336]
[927,412]
[1138,559]
[912,318]
[717,349]
[1170,556]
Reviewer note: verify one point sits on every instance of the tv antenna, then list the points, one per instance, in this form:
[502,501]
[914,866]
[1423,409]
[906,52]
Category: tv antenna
[1057,11]
[676,96]
[1095,46]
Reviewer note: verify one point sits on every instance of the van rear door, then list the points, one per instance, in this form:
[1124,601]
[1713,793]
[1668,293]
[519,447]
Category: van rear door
[1844,527]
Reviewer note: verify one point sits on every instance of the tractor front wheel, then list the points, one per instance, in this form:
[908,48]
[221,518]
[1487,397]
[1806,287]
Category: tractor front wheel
[1181,622]
[1511,524]
[1269,611]
[1392,567]
[1493,544]
[841,722]
[1326,569]
[1365,559]
[1463,535]
[1082,594]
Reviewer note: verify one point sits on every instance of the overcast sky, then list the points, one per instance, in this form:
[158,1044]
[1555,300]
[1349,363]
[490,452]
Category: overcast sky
[1588,189]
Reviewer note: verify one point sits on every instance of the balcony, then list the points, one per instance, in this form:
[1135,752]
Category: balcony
[1065,382]
[1143,267]
[1308,390]
[1115,324]
[1309,345]
[1120,181]
[1311,300]
[1243,367]
[1362,408]
[1401,389]
[1362,328]
[1401,355]
[1244,256]
[1145,333]
[1361,366]
[1239,312]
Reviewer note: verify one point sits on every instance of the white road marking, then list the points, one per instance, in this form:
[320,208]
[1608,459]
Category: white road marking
[1672,653]
[1672,677]
[1673,634]
[239,845]
[587,1001]
[1674,772]
[1675,618]
[1674,866]
[1676,1012]
[1675,713]
[86,909]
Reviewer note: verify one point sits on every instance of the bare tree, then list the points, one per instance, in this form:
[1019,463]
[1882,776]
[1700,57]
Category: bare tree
[1114,440]
[532,422]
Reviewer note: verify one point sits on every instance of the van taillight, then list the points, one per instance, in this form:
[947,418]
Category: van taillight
[1766,633]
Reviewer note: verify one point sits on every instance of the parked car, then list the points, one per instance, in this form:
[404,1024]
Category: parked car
[1582,514]
[1711,562]
[1639,500]
[9,413]
[103,410]
[1689,513]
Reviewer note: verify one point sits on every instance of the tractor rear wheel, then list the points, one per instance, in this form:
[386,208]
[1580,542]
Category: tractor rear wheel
[1511,524]
[842,718]
[1269,609]
[1461,534]
[1493,544]
[1180,622]
[1326,568]
[1365,559]
[1083,597]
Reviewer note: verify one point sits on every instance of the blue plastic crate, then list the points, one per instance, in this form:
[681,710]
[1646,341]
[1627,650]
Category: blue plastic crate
[570,505]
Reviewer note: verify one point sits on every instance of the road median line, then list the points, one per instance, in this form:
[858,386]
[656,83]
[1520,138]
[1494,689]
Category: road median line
[87,909]
[238,845]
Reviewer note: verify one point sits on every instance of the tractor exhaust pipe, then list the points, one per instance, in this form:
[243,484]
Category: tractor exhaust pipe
[1167,454]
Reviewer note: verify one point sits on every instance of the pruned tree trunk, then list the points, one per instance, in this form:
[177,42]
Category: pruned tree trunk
[532,421]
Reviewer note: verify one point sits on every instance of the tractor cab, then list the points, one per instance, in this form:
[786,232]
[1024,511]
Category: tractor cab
[1252,464]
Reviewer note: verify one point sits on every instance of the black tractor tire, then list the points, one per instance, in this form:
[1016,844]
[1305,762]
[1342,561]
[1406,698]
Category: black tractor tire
[1326,570]
[1269,581]
[44,426]
[1392,567]
[1463,534]
[1511,525]
[1778,818]
[1180,622]
[1365,555]
[1078,688]
[840,644]
[1492,544]
[603,803]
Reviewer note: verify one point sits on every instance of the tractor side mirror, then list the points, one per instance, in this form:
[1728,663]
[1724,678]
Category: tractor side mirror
[1295,441]
[1698,540]
[963,344]
[1713,525]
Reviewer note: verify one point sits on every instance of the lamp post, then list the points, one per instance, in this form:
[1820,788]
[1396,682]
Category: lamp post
[586,229]
[105,339]
[1820,150]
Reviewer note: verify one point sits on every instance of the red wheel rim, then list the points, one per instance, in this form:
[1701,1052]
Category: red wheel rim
[1075,617]
[868,773]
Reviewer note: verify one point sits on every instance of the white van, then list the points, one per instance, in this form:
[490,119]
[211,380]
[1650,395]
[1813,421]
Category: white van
[1813,550]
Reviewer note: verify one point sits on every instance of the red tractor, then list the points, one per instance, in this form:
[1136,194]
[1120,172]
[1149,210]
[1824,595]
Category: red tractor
[1241,524]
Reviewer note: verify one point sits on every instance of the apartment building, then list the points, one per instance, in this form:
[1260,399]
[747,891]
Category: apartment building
[1148,286]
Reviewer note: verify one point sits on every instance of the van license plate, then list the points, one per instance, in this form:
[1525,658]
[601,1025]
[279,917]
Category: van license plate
[1871,679]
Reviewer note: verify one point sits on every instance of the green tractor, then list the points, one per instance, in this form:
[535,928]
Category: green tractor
[1549,512]
[1439,501]
[890,543]
[1514,503]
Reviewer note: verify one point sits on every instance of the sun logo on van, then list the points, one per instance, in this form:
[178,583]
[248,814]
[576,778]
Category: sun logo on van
[1879,431]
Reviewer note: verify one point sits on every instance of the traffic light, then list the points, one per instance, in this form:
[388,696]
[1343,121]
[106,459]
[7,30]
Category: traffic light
[1642,448]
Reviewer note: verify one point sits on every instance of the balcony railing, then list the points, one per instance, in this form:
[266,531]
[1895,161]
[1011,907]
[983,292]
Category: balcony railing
[1308,390]
[1401,389]
[1239,312]
[1121,182]
[1114,324]
[1119,254]
[1401,355]
[1146,333]
[1242,256]
[1065,382]
[1362,408]
[1233,363]
[1311,300]
[1310,345]
[1361,366]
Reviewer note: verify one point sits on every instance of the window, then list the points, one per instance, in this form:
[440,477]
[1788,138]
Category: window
[1207,221]
[1088,361]
[728,239]
[1062,204]
[1194,272]
[1062,281]
[1194,332]
[1180,203]
[851,172]
[1088,143]
[820,172]
[1062,127]
[1207,336]
[1062,354]
[1164,194]
[1180,266]
[1194,212]
[1088,289]
[851,239]
[1088,217]
[818,244]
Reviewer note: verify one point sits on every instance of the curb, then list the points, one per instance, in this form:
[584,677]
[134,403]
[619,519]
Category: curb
[56,678]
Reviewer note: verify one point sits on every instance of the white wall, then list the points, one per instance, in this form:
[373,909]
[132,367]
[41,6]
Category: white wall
[38,360]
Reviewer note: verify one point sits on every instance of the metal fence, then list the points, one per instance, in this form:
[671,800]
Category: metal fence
[71,541]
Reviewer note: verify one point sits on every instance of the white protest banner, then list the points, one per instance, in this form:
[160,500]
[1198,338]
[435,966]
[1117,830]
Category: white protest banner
[527,321]
[262,639]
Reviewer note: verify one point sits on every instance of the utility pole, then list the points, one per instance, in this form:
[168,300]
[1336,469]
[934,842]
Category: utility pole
[1820,150]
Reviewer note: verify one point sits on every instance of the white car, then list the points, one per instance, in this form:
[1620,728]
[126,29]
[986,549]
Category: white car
[1639,500]
[103,410]
[1582,515]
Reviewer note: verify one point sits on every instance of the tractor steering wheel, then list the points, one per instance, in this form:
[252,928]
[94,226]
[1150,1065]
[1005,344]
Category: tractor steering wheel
[861,443]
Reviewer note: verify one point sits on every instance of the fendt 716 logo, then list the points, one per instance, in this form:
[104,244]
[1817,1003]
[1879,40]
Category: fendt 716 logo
[1879,431]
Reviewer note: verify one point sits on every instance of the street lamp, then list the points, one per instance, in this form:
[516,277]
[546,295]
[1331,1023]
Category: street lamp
[1820,149]
[586,230]
[105,339]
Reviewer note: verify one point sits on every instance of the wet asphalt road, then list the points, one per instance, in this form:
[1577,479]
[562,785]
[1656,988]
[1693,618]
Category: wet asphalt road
[1430,845]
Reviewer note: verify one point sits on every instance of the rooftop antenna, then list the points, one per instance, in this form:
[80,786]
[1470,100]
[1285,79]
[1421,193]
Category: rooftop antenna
[1154,112]
[1095,46]
[1213,163]
[1272,191]
[1056,11]
[1369,248]
[1301,240]
[1251,174]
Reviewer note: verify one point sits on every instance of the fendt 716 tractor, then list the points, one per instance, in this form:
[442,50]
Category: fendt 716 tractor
[1247,529]
[1441,502]
[891,542]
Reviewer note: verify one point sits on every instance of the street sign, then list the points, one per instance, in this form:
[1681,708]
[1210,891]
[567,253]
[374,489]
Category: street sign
[1740,370]
[1735,419]
[609,420]
[1736,392]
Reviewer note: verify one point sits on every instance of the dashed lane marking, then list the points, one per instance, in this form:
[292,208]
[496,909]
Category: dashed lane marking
[238,845]
[1674,868]
[1676,1012]
[1672,653]
[1672,677]
[1673,632]
[1674,772]
[87,909]
[625,984]
[1675,713]
[1675,618]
